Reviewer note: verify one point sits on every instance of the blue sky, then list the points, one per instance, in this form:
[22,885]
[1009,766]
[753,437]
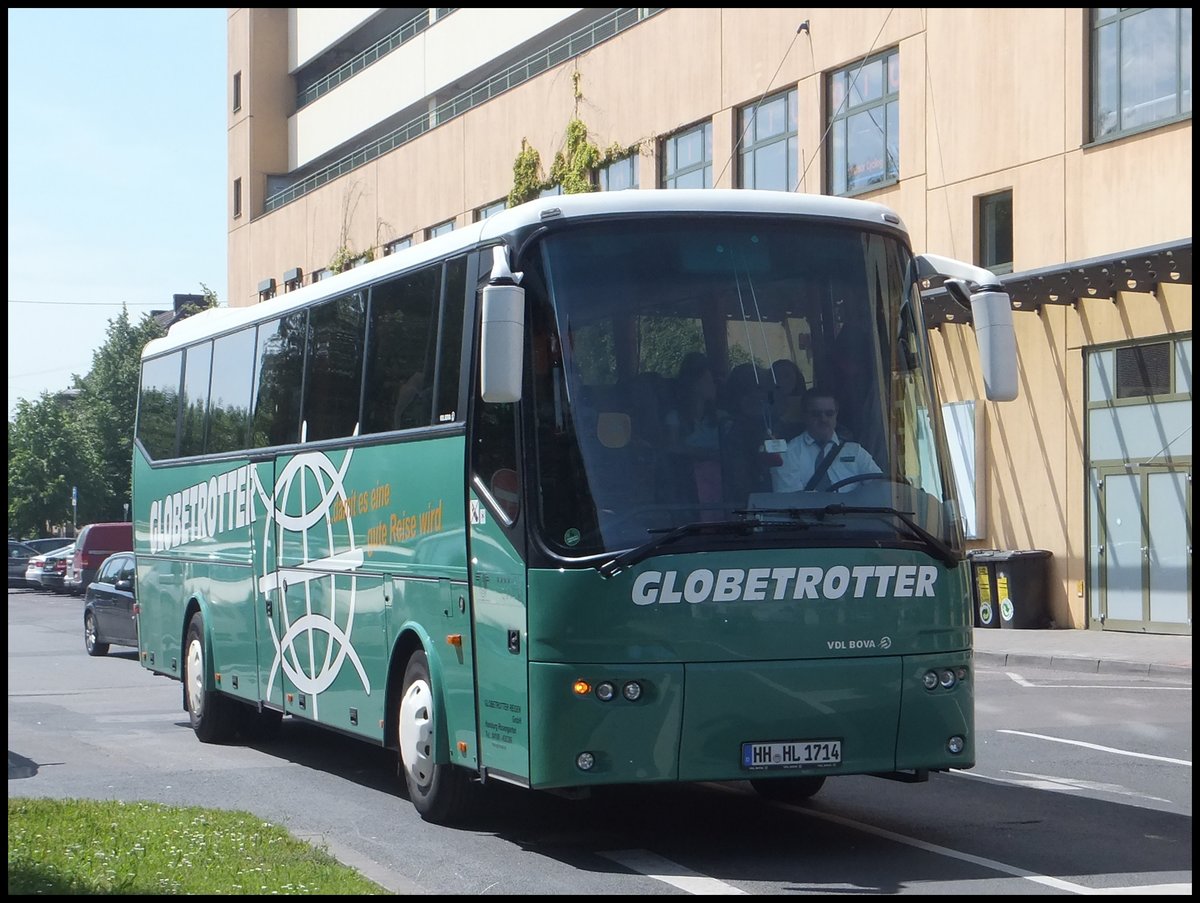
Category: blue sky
[116,177]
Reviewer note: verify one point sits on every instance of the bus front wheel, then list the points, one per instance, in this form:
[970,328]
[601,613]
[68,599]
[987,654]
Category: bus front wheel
[788,790]
[438,792]
[214,717]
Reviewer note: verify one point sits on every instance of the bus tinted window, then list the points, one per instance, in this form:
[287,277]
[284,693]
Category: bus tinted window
[158,405]
[279,380]
[333,377]
[401,348]
[229,397]
[197,368]
[450,357]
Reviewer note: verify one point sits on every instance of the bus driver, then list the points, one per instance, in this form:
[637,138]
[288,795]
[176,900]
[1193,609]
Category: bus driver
[818,458]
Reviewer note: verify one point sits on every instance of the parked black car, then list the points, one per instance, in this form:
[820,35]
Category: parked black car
[48,543]
[18,560]
[109,618]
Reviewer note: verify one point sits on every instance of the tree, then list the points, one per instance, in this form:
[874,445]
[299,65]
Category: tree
[107,406]
[48,454]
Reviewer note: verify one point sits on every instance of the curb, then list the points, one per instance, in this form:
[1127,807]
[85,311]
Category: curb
[1080,664]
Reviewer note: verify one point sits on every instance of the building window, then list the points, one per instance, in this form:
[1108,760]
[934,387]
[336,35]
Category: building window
[687,158]
[769,147]
[482,213]
[237,198]
[1141,68]
[318,275]
[552,192]
[864,125]
[439,229]
[996,232]
[618,174]
[397,244]
[1144,370]
[237,91]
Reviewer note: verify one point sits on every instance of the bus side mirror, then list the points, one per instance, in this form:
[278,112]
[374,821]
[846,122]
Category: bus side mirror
[502,338]
[992,318]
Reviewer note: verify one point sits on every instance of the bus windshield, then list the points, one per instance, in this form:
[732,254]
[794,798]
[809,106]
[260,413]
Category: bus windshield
[723,370]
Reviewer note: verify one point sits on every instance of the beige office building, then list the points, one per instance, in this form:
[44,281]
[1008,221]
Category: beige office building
[1053,146]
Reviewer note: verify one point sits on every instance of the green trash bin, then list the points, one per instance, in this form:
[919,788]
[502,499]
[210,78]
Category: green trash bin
[1020,587]
[983,587]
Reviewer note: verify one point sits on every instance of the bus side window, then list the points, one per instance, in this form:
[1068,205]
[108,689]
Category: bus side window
[401,352]
[494,456]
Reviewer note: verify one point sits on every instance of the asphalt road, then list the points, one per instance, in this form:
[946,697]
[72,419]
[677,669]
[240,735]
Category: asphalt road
[1083,785]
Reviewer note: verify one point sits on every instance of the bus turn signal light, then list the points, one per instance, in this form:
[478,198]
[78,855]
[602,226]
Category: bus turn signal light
[582,688]
[454,639]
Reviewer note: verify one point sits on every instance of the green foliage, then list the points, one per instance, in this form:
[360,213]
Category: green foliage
[114,847]
[573,166]
[48,453]
[106,408]
[527,180]
[82,438]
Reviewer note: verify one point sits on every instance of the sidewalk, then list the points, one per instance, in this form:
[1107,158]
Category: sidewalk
[1098,651]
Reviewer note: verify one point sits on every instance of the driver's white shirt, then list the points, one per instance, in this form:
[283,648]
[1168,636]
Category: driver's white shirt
[800,460]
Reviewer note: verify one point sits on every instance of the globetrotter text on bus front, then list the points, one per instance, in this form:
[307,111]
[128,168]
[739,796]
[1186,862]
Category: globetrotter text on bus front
[778,583]
[222,502]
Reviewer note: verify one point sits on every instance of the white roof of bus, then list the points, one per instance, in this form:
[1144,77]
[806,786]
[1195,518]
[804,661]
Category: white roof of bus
[220,320]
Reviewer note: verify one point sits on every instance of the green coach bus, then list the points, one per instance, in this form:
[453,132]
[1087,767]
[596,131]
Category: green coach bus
[507,501]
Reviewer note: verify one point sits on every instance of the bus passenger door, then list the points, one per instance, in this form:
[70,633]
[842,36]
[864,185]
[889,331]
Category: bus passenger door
[498,591]
[267,590]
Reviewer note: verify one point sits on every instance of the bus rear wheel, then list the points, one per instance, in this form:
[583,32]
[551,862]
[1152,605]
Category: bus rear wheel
[788,790]
[439,793]
[215,718]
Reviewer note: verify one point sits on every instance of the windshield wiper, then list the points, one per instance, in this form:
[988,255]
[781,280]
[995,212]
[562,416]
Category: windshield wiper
[744,525]
[941,549]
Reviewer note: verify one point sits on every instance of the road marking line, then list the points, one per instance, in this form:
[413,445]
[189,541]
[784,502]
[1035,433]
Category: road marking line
[1021,681]
[1003,867]
[653,866]
[1096,746]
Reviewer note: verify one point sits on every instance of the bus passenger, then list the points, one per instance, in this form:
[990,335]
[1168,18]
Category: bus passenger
[818,457]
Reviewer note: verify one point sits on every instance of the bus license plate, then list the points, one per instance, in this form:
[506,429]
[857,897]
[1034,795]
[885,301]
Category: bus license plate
[791,754]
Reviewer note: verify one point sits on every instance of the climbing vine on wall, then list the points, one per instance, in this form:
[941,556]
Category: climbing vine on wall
[573,167]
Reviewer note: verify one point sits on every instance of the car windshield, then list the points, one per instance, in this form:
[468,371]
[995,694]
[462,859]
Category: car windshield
[671,370]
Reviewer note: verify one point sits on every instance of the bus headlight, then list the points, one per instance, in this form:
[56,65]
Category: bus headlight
[605,691]
[947,679]
[930,679]
[632,691]
[956,744]
[585,761]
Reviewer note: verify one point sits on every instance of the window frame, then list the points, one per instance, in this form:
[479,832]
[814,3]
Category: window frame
[1114,18]
[985,244]
[750,119]
[840,112]
[669,171]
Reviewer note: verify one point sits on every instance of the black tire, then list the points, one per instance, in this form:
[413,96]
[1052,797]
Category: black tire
[91,641]
[789,790]
[440,793]
[215,717]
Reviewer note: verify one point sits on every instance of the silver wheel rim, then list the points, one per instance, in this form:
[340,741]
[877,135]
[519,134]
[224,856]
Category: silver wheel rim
[89,628]
[416,732]
[195,677]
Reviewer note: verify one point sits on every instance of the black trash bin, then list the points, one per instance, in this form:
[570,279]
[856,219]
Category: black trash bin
[1019,583]
[983,586]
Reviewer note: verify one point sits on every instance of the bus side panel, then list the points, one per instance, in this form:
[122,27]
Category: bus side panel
[226,595]
[160,615]
[498,592]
